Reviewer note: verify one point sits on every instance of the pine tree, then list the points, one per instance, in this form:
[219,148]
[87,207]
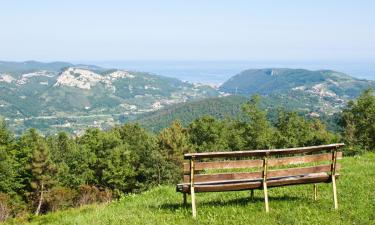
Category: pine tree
[173,143]
[258,131]
[40,169]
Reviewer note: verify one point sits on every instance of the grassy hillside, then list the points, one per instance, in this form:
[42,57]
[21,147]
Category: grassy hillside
[288,205]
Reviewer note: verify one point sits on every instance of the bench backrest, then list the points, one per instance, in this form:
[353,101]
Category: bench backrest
[321,159]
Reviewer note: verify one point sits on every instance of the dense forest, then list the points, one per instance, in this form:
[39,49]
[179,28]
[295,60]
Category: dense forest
[40,174]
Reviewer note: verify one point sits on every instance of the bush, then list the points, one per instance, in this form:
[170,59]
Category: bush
[5,210]
[11,206]
[90,194]
[60,198]
[105,195]
[352,150]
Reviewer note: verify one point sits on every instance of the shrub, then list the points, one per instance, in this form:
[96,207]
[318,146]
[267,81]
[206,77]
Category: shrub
[90,194]
[60,198]
[86,195]
[105,195]
[5,210]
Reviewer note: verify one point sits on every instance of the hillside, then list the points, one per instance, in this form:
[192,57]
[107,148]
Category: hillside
[288,205]
[231,107]
[326,83]
[322,91]
[62,96]
[220,108]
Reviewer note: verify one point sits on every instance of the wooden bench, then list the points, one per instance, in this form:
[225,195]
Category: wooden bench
[200,176]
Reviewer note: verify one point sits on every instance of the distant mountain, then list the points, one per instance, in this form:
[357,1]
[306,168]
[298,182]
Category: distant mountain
[311,93]
[322,82]
[63,95]
[18,68]
[322,91]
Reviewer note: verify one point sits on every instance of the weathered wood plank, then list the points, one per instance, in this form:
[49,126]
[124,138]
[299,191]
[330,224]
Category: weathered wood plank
[255,184]
[302,159]
[249,153]
[259,174]
[224,165]
[300,171]
[224,176]
[258,184]
[233,164]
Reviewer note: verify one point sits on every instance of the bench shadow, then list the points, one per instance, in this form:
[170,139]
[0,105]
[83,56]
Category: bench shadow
[242,201]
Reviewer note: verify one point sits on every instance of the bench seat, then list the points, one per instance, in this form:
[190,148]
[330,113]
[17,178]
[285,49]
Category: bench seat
[238,185]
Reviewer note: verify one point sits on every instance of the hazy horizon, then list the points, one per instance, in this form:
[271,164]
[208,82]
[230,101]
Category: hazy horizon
[217,72]
[195,30]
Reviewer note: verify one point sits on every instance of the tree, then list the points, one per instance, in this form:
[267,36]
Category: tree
[235,129]
[258,132]
[207,134]
[358,121]
[294,131]
[72,161]
[144,155]
[98,145]
[173,143]
[40,167]
[10,182]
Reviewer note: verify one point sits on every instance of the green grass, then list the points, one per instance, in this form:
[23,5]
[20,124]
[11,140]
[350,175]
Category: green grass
[288,205]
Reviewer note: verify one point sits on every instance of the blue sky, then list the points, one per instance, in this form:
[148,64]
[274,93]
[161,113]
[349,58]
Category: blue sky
[187,30]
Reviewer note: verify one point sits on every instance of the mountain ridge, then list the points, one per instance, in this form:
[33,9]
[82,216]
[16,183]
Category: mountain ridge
[271,80]
[61,92]
[59,95]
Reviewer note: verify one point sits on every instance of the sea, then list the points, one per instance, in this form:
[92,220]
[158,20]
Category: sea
[217,72]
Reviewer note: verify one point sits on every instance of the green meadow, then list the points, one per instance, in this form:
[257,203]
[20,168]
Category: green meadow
[288,205]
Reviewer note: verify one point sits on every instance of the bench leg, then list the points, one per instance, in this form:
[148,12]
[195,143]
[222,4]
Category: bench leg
[185,200]
[334,192]
[252,194]
[192,191]
[265,196]
[315,192]
[193,209]
[265,183]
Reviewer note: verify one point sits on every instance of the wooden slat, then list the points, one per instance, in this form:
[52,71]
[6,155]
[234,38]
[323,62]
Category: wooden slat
[285,181]
[250,153]
[199,166]
[257,175]
[229,187]
[225,165]
[224,176]
[300,170]
[302,159]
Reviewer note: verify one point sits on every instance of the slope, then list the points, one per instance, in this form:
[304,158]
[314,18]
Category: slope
[288,205]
